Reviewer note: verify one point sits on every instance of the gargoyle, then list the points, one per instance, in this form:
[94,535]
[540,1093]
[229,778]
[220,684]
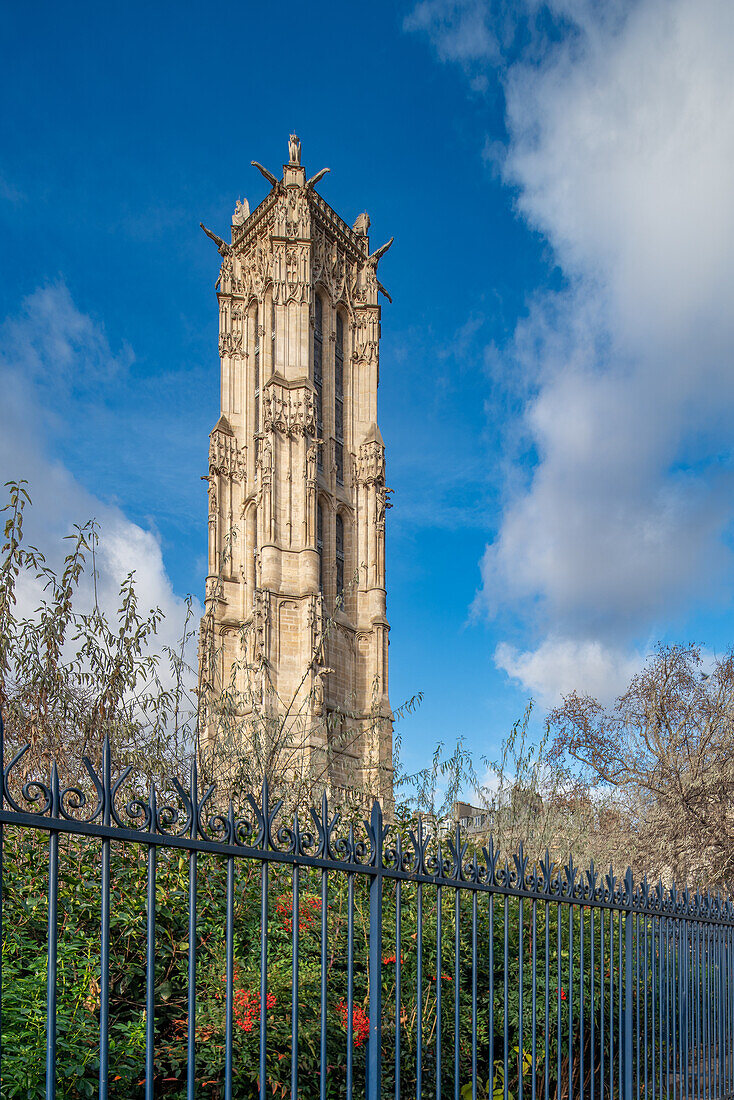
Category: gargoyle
[264,172]
[222,247]
[315,179]
[376,256]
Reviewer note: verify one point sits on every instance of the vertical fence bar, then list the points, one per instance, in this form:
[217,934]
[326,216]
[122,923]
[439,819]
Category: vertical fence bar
[193,888]
[646,985]
[704,1011]
[350,984]
[150,966]
[570,999]
[2,858]
[520,1002]
[696,1012]
[398,981]
[490,1075]
[53,932]
[322,979]
[104,967]
[582,922]
[628,946]
[191,1030]
[534,994]
[602,1021]
[686,1008]
[668,1042]
[592,1012]
[229,978]
[374,1051]
[546,1083]
[612,1004]
[620,1003]
[653,982]
[559,994]
[677,1012]
[474,969]
[505,1016]
[439,980]
[457,983]
[295,922]
[419,993]
[637,1077]
[264,884]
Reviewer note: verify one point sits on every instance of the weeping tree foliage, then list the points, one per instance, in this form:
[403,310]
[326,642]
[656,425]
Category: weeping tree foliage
[71,676]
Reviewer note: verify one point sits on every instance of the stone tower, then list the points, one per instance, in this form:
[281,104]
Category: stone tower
[295,625]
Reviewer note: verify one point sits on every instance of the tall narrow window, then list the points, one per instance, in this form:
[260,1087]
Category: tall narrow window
[339,400]
[339,555]
[320,544]
[272,338]
[318,376]
[256,376]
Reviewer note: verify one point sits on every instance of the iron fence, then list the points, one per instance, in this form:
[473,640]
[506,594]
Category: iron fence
[387,962]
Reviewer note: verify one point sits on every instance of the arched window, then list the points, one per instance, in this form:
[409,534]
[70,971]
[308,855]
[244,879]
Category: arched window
[339,400]
[339,555]
[320,543]
[318,375]
[256,376]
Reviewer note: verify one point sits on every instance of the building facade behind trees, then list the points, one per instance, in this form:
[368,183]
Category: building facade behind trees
[294,640]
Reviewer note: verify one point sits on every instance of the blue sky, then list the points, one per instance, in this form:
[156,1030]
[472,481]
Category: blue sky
[556,371]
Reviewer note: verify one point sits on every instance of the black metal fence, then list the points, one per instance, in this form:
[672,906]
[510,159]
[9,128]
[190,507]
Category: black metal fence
[388,962]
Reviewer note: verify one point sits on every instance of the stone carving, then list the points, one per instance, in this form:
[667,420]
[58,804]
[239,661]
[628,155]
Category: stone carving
[212,496]
[293,215]
[272,180]
[291,282]
[241,212]
[366,334]
[294,149]
[289,411]
[330,267]
[312,458]
[223,248]
[371,470]
[230,343]
[318,688]
[310,184]
[225,457]
[362,224]
[383,502]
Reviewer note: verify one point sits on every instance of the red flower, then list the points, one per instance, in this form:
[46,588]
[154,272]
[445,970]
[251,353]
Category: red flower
[391,959]
[309,908]
[360,1022]
[564,995]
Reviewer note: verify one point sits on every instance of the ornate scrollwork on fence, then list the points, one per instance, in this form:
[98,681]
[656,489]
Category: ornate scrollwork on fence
[185,812]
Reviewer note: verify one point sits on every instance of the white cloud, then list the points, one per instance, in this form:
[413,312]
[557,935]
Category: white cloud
[50,350]
[561,665]
[621,152]
[459,30]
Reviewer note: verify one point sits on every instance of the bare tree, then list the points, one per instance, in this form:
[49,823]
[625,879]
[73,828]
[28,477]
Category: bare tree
[666,751]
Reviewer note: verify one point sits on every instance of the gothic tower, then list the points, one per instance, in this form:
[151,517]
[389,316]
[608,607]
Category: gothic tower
[295,625]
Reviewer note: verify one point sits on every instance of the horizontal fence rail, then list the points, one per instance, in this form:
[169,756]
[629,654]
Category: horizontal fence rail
[158,944]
